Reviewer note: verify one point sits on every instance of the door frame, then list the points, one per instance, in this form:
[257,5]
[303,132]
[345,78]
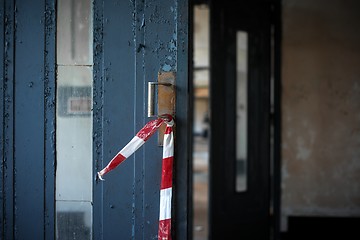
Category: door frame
[274,167]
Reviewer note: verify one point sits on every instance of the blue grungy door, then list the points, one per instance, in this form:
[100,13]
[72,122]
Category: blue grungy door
[133,42]
[74,85]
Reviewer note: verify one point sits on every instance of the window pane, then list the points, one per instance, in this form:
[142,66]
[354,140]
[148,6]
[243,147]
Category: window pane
[73,220]
[74,120]
[241,110]
[73,144]
[74,32]
[74,133]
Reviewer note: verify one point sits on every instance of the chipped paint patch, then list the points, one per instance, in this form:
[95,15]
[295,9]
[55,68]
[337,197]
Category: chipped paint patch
[166,68]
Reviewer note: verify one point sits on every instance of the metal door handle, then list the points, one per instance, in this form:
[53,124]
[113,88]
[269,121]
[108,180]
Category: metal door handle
[151,96]
[166,98]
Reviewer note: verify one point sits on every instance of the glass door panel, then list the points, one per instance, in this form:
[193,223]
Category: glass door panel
[241,110]
[74,120]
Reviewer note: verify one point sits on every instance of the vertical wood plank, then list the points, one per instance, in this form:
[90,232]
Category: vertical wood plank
[183,133]
[98,103]
[29,120]
[8,119]
[49,118]
[159,55]
[2,110]
[118,128]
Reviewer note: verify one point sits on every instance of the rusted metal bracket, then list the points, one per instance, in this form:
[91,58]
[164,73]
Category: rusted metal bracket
[166,98]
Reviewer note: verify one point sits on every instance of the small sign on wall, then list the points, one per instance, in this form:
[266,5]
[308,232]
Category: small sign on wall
[74,101]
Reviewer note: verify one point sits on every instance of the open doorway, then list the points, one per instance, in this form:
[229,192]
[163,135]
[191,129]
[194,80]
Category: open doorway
[237,100]
[201,73]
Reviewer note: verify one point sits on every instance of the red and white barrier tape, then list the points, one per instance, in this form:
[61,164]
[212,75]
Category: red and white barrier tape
[138,140]
[166,184]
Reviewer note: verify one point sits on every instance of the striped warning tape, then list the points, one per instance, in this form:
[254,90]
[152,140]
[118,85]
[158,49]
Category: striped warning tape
[166,184]
[138,140]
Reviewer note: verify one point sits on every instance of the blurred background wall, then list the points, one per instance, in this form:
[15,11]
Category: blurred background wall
[320,108]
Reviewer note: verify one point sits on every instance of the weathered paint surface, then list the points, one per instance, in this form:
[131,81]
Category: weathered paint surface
[27,86]
[321,108]
[134,41]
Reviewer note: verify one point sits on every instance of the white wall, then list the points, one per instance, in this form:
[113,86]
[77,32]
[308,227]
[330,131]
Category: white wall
[321,108]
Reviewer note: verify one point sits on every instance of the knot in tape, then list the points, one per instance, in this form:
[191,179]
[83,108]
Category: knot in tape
[169,123]
[168,119]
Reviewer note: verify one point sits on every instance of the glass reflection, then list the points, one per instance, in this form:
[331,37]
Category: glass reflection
[241,110]
[73,220]
[74,120]
[74,32]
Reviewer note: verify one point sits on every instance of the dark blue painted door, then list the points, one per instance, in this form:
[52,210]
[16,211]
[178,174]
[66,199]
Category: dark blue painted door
[27,87]
[132,42]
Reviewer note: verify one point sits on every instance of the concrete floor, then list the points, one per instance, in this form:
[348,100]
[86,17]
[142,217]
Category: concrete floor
[200,188]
